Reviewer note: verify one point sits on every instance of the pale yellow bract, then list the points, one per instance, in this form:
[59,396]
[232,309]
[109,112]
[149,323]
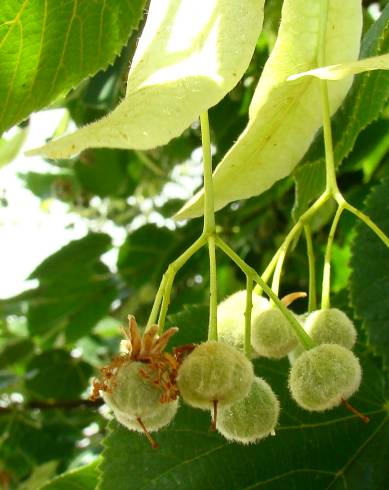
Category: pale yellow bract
[190,54]
[284,116]
[343,70]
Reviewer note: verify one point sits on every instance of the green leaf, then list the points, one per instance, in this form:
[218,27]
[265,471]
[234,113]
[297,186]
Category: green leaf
[104,172]
[284,116]
[75,290]
[16,350]
[192,323]
[364,103]
[10,147]
[344,70]
[56,375]
[308,451]
[81,254]
[147,252]
[190,55]
[369,280]
[39,476]
[29,439]
[61,185]
[47,48]
[84,478]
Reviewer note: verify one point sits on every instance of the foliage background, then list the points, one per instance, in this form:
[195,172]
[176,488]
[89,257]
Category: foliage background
[55,335]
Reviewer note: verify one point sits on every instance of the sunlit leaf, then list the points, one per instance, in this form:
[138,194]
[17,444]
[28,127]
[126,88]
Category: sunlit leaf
[189,56]
[363,104]
[284,116]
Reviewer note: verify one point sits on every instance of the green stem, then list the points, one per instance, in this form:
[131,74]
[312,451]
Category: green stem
[312,300]
[212,329]
[209,212]
[326,288]
[170,274]
[247,316]
[331,183]
[209,224]
[278,271]
[157,303]
[304,338]
[363,217]
[296,229]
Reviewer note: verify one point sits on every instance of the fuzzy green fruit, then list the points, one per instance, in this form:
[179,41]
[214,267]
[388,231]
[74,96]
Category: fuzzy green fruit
[272,335]
[231,319]
[324,376]
[163,415]
[214,372]
[251,419]
[131,397]
[331,326]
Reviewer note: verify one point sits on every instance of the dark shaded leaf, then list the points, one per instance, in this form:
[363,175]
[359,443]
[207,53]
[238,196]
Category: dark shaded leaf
[309,451]
[56,375]
[147,252]
[369,281]
[16,350]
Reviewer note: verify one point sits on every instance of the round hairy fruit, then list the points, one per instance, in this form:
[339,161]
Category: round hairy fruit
[272,335]
[324,376]
[331,326]
[163,415]
[252,418]
[214,372]
[231,319]
[131,397]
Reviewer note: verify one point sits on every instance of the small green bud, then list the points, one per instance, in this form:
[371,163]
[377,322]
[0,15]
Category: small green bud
[251,419]
[231,319]
[324,376]
[331,326]
[272,335]
[131,397]
[214,372]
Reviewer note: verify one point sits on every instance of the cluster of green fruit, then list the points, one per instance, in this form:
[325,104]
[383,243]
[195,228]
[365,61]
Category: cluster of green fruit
[218,376]
[320,378]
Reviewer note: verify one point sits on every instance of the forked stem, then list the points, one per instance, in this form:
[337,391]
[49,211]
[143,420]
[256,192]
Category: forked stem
[363,217]
[304,338]
[168,279]
[290,237]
